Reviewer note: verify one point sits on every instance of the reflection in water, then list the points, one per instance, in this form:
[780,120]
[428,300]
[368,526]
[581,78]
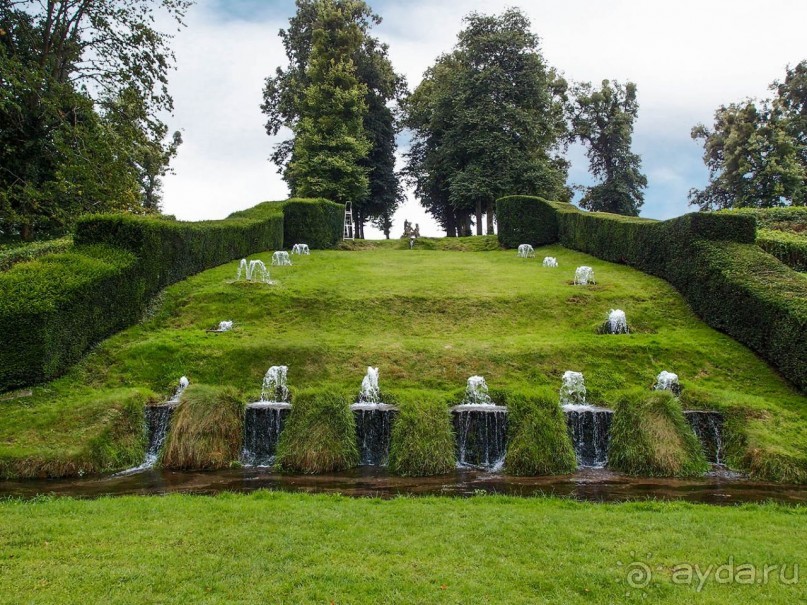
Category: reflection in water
[597,485]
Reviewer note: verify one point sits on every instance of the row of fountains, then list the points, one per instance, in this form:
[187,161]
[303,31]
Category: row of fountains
[256,270]
[480,425]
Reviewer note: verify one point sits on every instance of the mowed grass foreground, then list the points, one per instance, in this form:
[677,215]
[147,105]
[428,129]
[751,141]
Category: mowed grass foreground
[427,318]
[269,547]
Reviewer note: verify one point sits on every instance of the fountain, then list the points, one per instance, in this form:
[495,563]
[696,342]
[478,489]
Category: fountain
[224,326]
[373,422]
[550,261]
[588,425]
[583,276]
[254,270]
[667,381]
[158,420]
[617,322]
[481,428]
[300,249]
[708,428]
[526,251]
[281,259]
[264,419]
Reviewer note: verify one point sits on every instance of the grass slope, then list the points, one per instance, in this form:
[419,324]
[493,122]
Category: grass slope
[428,319]
[281,548]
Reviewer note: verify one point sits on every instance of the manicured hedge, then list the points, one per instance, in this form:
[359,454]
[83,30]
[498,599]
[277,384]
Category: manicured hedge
[54,308]
[526,220]
[789,248]
[712,260]
[316,222]
[19,254]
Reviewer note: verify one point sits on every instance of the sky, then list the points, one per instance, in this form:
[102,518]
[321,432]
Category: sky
[686,58]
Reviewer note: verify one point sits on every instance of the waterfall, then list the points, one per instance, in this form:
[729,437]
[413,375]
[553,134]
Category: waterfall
[263,423]
[589,429]
[373,432]
[708,427]
[481,432]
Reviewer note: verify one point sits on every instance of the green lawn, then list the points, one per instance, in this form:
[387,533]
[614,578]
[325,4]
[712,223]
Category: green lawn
[428,319]
[282,548]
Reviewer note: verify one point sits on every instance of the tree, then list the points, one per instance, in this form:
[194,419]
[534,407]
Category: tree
[283,105]
[329,139]
[63,66]
[603,121]
[486,121]
[756,151]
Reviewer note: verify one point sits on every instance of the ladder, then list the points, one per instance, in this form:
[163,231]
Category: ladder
[348,233]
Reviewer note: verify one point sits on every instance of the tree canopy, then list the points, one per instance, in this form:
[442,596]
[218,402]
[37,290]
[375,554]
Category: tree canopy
[756,150]
[81,85]
[603,121]
[284,103]
[486,121]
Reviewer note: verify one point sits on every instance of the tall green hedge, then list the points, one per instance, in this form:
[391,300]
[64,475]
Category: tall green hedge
[712,260]
[54,308]
[526,220]
[316,222]
[790,248]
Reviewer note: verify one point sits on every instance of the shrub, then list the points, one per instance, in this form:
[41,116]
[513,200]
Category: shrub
[319,435]
[18,254]
[650,436]
[206,429]
[526,220]
[788,218]
[789,248]
[422,441]
[538,441]
[316,222]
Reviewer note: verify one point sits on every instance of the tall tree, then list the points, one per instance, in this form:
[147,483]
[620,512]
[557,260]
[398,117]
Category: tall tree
[756,151]
[603,121]
[283,104]
[63,67]
[487,121]
[329,138]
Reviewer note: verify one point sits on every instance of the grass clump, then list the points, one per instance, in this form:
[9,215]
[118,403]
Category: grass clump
[319,435]
[538,441]
[422,441]
[650,436]
[206,429]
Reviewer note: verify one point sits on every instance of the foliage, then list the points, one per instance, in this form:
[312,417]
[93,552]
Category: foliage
[319,435]
[206,429]
[65,152]
[284,106]
[756,151]
[317,223]
[649,436]
[789,248]
[422,440]
[329,138]
[486,121]
[792,219]
[526,220]
[25,252]
[603,121]
[538,442]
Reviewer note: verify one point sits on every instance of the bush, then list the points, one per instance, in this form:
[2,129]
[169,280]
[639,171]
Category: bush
[526,220]
[316,222]
[206,429]
[650,436]
[789,248]
[788,218]
[538,441]
[319,435]
[422,441]
[18,254]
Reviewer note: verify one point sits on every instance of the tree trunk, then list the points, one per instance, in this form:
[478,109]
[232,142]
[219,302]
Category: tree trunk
[479,217]
[468,232]
[27,233]
[490,217]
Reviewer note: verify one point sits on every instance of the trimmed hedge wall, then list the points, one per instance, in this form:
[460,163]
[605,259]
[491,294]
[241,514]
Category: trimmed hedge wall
[317,222]
[54,308]
[526,220]
[19,254]
[789,248]
[712,260]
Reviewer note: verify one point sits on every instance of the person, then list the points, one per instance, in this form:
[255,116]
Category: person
[411,241]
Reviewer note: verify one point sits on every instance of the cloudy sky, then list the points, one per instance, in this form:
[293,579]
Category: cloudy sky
[686,57]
